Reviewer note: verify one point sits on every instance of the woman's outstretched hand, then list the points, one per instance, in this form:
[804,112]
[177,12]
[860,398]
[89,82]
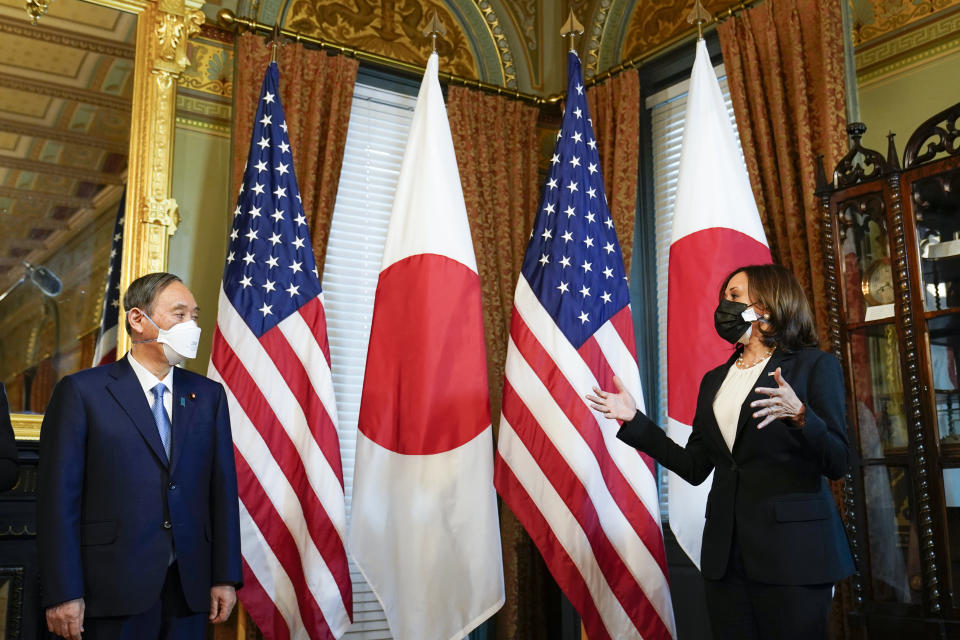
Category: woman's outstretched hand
[782,404]
[616,406]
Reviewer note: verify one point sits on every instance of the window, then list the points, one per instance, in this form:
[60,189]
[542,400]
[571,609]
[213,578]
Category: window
[667,113]
[376,137]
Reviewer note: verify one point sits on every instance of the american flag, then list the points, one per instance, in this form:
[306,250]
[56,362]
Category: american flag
[106,349]
[270,352]
[588,500]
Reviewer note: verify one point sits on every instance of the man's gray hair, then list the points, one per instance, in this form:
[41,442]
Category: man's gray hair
[142,292]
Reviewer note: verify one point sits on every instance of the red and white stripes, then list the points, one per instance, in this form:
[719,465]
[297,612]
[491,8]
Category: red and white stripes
[588,500]
[290,480]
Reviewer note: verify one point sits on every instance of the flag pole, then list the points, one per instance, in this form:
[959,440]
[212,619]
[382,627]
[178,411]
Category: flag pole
[699,16]
[434,29]
[571,29]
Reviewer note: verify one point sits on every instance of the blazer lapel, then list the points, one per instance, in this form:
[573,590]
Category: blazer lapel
[711,385]
[126,390]
[184,399]
[765,379]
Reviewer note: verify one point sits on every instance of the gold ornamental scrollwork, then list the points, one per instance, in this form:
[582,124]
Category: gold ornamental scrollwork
[172,33]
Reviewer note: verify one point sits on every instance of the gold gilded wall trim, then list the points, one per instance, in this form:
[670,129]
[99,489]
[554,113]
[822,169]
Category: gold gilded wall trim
[26,426]
[44,33]
[905,62]
[192,124]
[54,90]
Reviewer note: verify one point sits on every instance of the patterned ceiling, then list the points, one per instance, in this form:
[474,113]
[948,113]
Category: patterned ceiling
[65,90]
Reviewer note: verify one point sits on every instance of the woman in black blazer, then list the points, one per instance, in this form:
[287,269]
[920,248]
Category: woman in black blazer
[770,424]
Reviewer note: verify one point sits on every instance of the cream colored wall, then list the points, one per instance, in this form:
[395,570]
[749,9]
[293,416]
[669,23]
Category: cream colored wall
[902,100]
[199,247]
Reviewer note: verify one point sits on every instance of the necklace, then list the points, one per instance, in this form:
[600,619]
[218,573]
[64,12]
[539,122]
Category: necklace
[746,365]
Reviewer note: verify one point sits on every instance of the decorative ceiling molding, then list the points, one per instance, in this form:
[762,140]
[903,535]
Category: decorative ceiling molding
[875,20]
[66,38]
[902,48]
[53,90]
[47,198]
[77,173]
[496,30]
[67,137]
[593,36]
[614,34]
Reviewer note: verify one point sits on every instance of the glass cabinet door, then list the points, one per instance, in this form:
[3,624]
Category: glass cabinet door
[935,201]
[878,390]
[892,534]
[865,258]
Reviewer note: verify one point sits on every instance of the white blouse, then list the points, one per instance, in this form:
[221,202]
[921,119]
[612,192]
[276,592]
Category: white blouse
[731,395]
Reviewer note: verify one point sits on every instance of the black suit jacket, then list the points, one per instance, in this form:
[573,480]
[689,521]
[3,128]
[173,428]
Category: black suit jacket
[770,491]
[111,507]
[9,467]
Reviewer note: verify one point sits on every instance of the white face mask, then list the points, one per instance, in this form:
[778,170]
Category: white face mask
[179,342]
[749,315]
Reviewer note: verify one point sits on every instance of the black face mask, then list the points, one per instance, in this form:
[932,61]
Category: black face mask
[728,320]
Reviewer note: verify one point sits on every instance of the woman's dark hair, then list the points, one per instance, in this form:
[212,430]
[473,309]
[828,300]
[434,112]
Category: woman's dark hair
[774,288]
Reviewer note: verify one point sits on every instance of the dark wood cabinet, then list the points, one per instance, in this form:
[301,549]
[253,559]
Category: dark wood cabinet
[892,239]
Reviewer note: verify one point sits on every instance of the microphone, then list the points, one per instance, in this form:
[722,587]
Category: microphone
[45,280]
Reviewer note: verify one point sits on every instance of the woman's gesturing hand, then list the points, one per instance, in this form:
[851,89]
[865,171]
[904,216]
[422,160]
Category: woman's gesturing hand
[616,406]
[783,403]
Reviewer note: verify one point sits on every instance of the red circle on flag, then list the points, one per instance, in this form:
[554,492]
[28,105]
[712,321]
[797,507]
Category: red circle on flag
[698,264]
[425,386]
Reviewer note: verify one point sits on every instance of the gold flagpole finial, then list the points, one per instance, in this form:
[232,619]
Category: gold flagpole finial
[571,28]
[699,16]
[274,41]
[434,29]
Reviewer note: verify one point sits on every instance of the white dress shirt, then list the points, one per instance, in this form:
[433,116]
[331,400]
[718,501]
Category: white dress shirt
[148,381]
[731,395]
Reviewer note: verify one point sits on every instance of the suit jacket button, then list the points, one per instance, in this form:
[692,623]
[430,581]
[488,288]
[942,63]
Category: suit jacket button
[733,466]
[167,525]
[172,485]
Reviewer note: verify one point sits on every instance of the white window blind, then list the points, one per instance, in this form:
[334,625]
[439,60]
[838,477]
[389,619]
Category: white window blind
[667,111]
[376,137]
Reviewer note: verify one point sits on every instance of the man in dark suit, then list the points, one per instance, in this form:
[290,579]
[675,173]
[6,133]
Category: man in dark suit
[137,513]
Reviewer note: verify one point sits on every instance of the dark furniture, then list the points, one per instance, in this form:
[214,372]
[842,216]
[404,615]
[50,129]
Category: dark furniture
[892,239]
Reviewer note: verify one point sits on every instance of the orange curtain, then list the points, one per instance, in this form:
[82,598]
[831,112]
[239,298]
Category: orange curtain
[497,149]
[615,110]
[317,91]
[495,139]
[784,63]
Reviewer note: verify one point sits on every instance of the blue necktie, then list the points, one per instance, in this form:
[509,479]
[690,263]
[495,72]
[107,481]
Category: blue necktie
[160,417]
